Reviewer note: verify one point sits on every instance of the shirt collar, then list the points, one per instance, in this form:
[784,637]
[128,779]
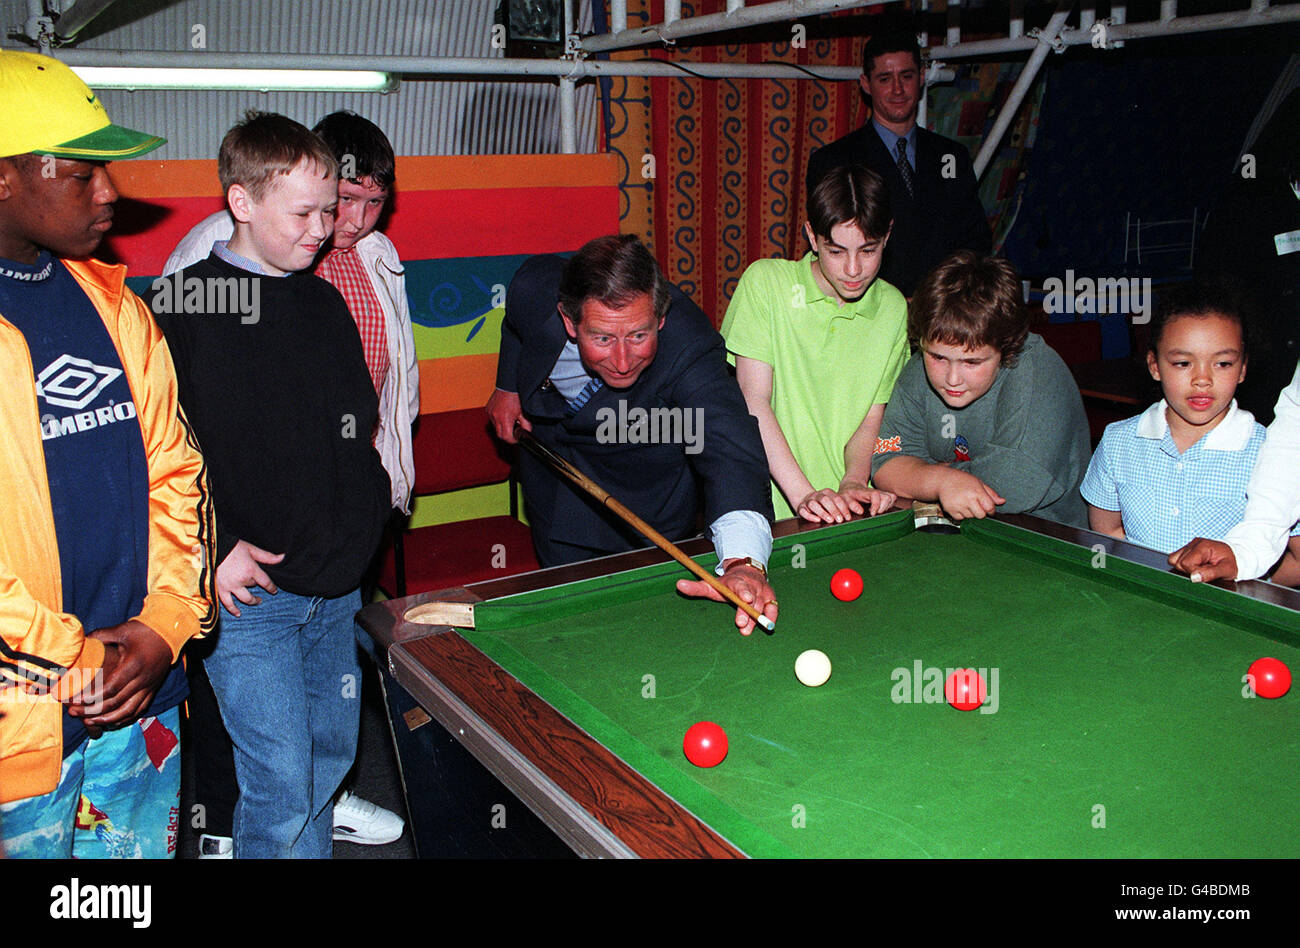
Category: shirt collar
[1230,434]
[36,272]
[891,140]
[222,250]
[862,306]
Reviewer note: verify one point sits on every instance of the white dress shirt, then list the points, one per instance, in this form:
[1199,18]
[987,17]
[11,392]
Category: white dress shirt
[1273,497]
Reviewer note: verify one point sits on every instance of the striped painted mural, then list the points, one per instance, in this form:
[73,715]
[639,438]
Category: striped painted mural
[462,226]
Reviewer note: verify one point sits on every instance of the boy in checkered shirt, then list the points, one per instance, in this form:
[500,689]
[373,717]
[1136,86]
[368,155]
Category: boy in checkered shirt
[1180,469]
[363,265]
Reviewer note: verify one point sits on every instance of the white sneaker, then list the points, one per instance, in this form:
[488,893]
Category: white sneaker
[216,847]
[360,821]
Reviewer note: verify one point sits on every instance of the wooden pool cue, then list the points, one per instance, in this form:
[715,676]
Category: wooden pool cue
[563,467]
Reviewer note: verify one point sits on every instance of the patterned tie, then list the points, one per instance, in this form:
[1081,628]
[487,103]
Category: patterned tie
[905,168]
[590,389]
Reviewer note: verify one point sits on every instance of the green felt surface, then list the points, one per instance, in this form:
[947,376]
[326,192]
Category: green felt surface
[1117,726]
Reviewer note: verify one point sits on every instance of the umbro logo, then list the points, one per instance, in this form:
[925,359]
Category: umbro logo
[69,382]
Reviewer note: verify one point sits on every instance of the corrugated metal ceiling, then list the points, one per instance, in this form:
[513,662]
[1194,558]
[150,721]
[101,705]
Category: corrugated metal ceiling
[423,117]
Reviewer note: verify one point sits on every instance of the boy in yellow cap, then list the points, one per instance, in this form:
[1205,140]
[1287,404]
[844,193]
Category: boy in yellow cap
[107,526]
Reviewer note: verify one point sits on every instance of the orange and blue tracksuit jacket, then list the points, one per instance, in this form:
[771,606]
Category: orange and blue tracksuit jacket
[39,642]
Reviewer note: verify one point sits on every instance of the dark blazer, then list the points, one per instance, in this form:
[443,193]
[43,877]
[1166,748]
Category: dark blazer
[661,483]
[944,216]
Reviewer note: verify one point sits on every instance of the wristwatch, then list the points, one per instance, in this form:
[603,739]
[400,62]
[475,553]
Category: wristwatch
[746,561]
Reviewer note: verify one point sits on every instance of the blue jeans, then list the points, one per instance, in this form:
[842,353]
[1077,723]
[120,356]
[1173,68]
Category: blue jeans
[288,683]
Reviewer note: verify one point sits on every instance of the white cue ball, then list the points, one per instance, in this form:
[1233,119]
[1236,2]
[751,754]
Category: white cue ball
[812,668]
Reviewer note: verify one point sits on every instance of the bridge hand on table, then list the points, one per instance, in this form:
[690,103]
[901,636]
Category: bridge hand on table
[746,582]
[1205,560]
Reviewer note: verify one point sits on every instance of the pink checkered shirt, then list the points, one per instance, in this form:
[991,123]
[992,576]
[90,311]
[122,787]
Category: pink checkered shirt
[344,269]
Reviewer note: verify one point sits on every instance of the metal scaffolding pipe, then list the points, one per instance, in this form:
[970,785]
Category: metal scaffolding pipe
[617,16]
[1023,82]
[590,68]
[452,66]
[1118,16]
[779,11]
[672,11]
[1209,22]
[934,73]
[1260,14]
[734,5]
[39,26]
[568,117]
[76,18]
[568,101]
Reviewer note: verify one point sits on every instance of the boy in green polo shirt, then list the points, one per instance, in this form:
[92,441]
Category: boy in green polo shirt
[818,344]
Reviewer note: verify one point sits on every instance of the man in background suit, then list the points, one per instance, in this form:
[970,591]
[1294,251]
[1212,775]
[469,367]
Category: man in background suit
[931,180]
[615,370]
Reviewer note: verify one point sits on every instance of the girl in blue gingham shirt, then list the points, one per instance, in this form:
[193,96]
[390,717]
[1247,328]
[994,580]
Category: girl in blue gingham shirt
[1179,470]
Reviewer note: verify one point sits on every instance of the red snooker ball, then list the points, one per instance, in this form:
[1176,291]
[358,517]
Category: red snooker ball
[1270,678]
[846,585]
[705,744]
[965,689]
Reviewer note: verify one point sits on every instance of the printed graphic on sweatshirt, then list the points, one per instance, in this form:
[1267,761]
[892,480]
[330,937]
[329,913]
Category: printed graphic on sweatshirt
[72,383]
[889,445]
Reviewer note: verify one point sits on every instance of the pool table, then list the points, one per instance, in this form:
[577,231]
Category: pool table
[1118,722]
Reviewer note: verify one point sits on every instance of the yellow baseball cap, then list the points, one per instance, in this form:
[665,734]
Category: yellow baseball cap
[45,109]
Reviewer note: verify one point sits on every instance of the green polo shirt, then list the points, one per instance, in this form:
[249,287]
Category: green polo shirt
[830,363]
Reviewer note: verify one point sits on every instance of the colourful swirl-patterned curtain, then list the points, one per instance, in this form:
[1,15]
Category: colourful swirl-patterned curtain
[712,170]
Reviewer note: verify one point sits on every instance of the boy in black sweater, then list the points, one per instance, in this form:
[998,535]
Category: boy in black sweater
[274,381]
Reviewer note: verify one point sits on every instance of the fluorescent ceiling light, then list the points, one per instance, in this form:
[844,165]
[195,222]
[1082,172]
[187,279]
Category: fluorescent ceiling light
[261,80]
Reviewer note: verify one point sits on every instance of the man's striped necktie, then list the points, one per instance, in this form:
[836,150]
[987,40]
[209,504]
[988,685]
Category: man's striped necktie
[588,390]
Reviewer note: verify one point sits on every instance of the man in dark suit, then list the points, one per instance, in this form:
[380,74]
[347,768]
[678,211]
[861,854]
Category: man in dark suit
[931,180]
[617,371]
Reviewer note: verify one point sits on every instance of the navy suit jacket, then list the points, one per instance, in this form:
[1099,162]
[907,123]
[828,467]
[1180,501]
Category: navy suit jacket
[662,483]
[945,215]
